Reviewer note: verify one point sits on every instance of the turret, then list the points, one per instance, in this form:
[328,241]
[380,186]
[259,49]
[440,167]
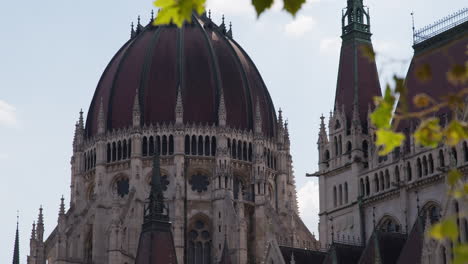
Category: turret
[40,226]
[179,109]
[61,236]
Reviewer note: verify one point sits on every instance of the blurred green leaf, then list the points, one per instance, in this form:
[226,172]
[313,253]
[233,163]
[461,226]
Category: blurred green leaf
[261,5]
[423,72]
[421,100]
[460,254]
[368,52]
[458,74]
[382,114]
[455,132]
[453,177]
[447,228]
[388,140]
[292,6]
[429,133]
[177,11]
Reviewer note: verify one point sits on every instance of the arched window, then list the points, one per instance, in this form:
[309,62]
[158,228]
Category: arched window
[164,145]
[199,245]
[362,187]
[397,174]
[465,152]
[200,145]
[239,150]
[409,171]
[387,179]
[187,145]
[213,146]
[151,147]
[432,210]
[124,149]
[194,145]
[441,158]
[431,164]
[346,192]
[365,148]
[340,145]
[382,181]
[419,167]
[114,152]
[376,183]
[334,196]
[250,151]
[336,146]
[367,186]
[145,146]
[327,155]
[207,146]
[158,145]
[244,151]
[171,145]
[349,147]
[129,148]
[388,224]
[425,166]
[234,149]
[119,150]
[454,157]
[340,192]
[109,153]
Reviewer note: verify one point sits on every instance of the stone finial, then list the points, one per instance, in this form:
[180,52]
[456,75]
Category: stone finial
[280,117]
[179,109]
[132,31]
[258,117]
[16,259]
[33,231]
[101,126]
[356,122]
[222,118]
[323,138]
[81,120]
[136,110]
[40,225]
[62,206]
[229,32]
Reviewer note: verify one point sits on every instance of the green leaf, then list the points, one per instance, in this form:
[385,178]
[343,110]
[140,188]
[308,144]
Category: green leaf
[445,229]
[455,132]
[388,140]
[177,12]
[421,100]
[453,177]
[261,5]
[382,114]
[368,52]
[429,133]
[460,254]
[458,74]
[424,72]
[292,6]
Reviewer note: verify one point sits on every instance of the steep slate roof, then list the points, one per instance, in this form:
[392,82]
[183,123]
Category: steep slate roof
[412,250]
[343,254]
[440,53]
[358,80]
[383,247]
[202,58]
[302,256]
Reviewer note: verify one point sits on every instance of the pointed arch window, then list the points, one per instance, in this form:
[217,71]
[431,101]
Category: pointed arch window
[376,183]
[145,146]
[334,196]
[171,144]
[340,192]
[367,186]
[431,164]
[194,145]
[425,166]
[213,146]
[387,179]
[465,153]
[419,167]
[441,158]
[151,146]
[345,192]
[207,146]
[164,145]
[187,145]
[199,250]
[409,171]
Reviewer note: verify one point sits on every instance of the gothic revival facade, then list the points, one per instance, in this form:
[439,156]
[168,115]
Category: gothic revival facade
[195,97]
[374,209]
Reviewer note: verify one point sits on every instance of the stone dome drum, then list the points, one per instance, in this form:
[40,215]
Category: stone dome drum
[202,60]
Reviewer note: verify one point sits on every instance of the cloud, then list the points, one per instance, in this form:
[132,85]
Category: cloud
[308,201]
[330,45]
[299,26]
[7,114]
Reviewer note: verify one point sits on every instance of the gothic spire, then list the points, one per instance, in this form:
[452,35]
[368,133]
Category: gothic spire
[62,206]
[323,132]
[222,110]
[358,80]
[101,118]
[179,109]
[155,210]
[136,110]
[16,249]
[33,231]
[40,225]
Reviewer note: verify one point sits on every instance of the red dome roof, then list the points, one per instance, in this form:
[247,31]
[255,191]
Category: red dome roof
[202,58]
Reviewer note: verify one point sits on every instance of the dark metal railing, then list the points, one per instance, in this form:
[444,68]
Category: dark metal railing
[440,26]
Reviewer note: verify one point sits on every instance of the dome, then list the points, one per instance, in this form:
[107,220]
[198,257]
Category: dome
[202,59]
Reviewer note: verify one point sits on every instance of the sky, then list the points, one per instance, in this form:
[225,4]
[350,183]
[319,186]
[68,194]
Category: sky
[53,52]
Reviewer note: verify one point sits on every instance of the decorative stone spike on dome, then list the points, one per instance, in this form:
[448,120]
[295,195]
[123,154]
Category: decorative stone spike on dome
[179,109]
[199,59]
